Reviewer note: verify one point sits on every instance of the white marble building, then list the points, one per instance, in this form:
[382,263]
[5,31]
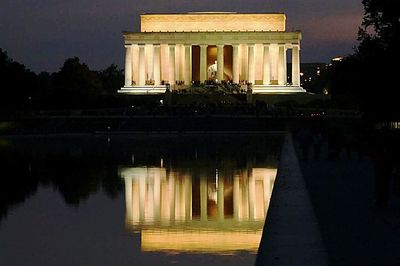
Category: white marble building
[178,49]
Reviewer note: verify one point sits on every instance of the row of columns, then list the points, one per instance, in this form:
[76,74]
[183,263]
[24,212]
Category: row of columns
[169,200]
[140,65]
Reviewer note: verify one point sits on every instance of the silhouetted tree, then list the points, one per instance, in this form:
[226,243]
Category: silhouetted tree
[18,84]
[379,37]
[366,77]
[75,85]
[380,26]
[112,79]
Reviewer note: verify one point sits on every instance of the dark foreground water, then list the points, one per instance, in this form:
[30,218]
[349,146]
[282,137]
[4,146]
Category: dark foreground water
[135,201]
[354,183]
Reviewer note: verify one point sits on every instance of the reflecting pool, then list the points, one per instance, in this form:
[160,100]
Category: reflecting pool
[135,200]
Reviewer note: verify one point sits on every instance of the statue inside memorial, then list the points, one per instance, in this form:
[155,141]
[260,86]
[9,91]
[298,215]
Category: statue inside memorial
[212,71]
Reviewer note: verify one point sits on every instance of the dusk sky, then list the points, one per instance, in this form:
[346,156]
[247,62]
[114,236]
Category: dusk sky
[42,33]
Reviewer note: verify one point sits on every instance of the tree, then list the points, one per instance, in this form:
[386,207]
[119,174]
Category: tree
[75,85]
[381,24]
[18,84]
[379,37]
[112,79]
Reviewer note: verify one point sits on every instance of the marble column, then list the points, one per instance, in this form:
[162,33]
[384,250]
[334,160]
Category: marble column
[296,65]
[178,60]
[203,62]
[135,65]
[142,65]
[266,65]
[157,64]
[149,55]
[220,62]
[235,63]
[128,65]
[281,65]
[285,65]
[171,75]
[188,63]
[252,66]
[244,56]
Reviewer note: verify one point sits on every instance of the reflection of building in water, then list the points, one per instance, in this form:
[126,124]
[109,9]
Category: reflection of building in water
[176,210]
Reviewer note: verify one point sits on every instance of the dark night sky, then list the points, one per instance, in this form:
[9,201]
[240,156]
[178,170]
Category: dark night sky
[43,33]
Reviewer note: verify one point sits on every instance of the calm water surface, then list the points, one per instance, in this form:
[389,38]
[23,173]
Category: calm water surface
[141,201]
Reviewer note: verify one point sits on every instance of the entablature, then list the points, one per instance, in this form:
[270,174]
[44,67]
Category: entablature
[212,38]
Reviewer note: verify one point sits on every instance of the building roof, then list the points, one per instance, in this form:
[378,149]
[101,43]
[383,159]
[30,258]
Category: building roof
[212,21]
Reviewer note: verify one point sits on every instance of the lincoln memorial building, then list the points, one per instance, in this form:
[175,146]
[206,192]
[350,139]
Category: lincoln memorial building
[192,48]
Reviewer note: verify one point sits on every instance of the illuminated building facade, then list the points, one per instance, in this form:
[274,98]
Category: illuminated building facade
[179,49]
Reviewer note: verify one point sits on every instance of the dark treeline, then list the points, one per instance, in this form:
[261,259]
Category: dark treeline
[73,86]
[369,77]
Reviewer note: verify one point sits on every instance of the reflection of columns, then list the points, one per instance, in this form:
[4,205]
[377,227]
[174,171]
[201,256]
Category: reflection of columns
[149,211]
[296,65]
[220,198]
[244,205]
[157,64]
[236,197]
[267,193]
[252,66]
[157,198]
[135,202]
[187,73]
[203,62]
[142,197]
[171,189]
[220,62]
[171,67]
[203,199]
[142,65]
[252,196]
[128,197]
[266,66]
[188,198]
[179,199]
[281,65]
[235,63]
[128,65]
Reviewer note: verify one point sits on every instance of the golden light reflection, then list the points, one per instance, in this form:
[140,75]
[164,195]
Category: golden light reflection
[176,210]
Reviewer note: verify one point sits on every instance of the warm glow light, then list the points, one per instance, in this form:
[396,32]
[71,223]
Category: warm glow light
[337,59]
[200,241]
[219,214]
[211,21]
